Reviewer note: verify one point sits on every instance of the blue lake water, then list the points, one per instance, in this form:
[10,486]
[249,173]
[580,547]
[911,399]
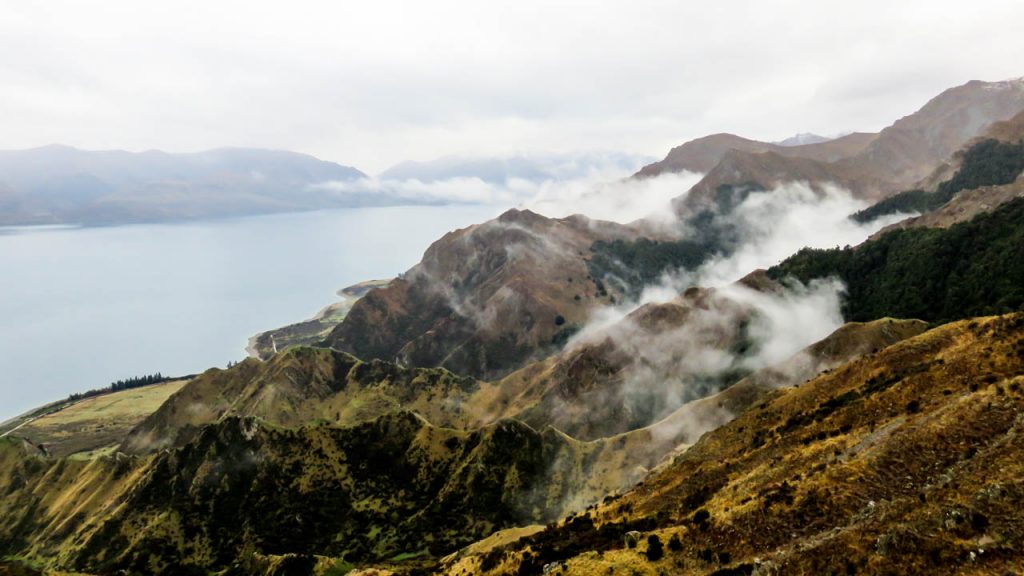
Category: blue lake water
[81,307]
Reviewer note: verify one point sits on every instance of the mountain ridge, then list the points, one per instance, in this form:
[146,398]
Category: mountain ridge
[899,156]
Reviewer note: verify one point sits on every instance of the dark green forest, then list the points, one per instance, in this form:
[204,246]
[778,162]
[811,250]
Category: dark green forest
[987,163]
[973,268]
[629,266]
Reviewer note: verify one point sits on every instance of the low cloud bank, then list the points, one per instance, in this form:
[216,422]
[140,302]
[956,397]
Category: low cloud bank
[597,186]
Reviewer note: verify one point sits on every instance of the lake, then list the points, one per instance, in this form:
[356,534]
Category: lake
[82,307]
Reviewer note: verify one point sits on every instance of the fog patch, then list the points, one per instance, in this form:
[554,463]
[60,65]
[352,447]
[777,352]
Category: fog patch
[600,194]
[785,322]
[693,346]
[621,201]
[775,224]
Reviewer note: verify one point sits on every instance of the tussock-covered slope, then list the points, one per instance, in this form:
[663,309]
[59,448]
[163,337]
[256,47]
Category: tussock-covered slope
[904,461]
[690,421]
[303,386]
[634,372]
[249,473]
[242,488]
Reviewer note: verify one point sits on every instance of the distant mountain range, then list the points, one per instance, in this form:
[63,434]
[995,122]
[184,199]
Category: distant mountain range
[59,184]
[63,185]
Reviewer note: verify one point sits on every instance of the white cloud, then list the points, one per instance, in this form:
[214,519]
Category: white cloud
[620,201]
[600,194]
[777,223]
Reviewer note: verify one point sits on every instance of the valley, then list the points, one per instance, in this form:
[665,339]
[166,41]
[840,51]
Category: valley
[719,389]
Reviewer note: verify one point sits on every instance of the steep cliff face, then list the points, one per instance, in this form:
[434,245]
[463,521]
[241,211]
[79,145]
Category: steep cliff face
[906,461]
[486,299]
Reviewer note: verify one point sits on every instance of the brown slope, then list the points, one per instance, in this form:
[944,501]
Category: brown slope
[909,150]
[308,489]
[850,341]
[832,150]
[702,154]
[485,299]
[903,154]
[1011,130]
[739,173]
[660,357]
[907,461]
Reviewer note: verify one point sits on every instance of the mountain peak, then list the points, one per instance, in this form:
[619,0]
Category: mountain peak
[802,139]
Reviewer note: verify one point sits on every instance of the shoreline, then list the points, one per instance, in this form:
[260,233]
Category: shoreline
[325,319]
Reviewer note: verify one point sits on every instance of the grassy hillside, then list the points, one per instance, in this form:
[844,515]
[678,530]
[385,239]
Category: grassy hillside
[906,461]
[98,422]
[255,473]
[303,386]
[484,300]
[395,487]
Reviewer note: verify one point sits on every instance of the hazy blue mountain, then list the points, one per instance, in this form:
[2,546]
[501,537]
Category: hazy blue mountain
[60,184]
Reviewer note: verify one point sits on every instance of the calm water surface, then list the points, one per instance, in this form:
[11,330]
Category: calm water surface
[81,307]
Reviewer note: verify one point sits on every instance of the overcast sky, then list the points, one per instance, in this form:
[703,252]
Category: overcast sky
[373,83]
